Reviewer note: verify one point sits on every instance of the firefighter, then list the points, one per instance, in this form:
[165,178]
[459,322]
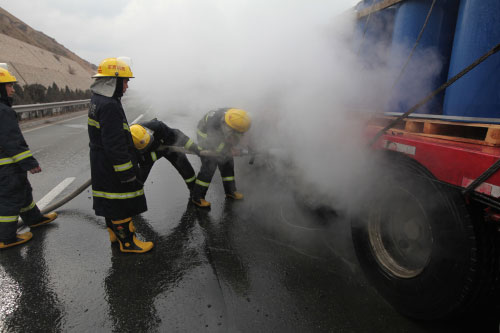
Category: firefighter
[219,131]
[150,136]
[16,198]
[117,193]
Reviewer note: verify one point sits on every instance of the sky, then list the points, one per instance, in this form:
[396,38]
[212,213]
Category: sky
[95,29]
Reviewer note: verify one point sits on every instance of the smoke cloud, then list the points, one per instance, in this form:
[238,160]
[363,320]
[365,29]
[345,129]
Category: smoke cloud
[295,65]
[290,64]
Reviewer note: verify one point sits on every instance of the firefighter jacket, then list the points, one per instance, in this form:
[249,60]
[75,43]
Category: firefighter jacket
[113,161]
[162,136]
[210,134]
[15,155]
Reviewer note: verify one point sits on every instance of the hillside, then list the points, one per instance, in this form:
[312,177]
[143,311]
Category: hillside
[35,57]
[15,28]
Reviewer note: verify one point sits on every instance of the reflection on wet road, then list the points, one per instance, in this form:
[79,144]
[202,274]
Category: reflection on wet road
[265,264]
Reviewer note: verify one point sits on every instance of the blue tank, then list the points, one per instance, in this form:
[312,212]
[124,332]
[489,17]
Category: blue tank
[428,66]
[373,34]
[477,94]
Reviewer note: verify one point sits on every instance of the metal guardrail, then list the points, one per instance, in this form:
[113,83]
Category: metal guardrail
[31,111]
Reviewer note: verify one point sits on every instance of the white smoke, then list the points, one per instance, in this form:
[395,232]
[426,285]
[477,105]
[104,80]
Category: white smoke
[293,64]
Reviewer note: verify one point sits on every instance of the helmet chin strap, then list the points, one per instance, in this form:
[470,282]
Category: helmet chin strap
[119,88]
[3,94]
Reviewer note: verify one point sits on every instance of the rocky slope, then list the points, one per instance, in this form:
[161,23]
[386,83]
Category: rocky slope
[35,57]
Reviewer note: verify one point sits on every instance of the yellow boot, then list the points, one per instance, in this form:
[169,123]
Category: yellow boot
[47,219]
[201,203]
[124,231]
[235,195]
[19,239]
[112,236]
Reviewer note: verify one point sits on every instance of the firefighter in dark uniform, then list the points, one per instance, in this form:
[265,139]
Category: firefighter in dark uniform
[16,159]
[117,193]
[219,131]
[151,139]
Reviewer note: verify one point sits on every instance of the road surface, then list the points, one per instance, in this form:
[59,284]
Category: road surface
[265,264]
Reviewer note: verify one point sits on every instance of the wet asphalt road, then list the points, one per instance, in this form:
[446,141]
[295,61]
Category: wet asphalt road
[265,264]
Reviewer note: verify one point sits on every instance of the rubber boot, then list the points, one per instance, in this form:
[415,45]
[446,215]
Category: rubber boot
[201,202]
[112,235]
[47,219]
[198,196]
[124,231]
[235,195]
[109,227]
[19,239]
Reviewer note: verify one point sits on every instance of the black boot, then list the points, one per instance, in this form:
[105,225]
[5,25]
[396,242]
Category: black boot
[47,218]
[125,232]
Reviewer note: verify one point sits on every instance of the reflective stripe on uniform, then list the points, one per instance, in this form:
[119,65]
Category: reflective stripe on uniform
[128,195]
[200,133]
[189,180]
[16,158]
[30,206]
[227,179]
[153,156]
[123,167]
[188,144]
[94,123]
[9,218]
[220,147]
[199,182]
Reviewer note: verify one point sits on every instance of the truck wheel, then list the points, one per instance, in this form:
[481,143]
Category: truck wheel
[419,246]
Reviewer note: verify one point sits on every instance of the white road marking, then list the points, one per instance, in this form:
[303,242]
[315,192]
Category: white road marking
[42,203]
[57,122]
[80,126]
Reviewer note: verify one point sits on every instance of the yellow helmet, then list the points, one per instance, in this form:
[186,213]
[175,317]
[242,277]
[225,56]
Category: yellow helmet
[114,67]
[141,136]
[5,76]
[238,120]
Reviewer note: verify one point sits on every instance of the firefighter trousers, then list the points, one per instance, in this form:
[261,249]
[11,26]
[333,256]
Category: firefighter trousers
[207,170]
[183,166]
[16,199]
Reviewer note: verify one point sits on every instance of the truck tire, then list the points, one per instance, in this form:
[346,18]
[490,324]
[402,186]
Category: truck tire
[426,251]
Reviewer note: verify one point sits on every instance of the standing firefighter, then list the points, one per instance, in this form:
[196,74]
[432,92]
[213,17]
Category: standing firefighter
[116,191]
[150,136]
[15,160]
[219,131]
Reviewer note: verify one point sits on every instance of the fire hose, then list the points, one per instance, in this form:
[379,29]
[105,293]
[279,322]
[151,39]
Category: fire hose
[84,186]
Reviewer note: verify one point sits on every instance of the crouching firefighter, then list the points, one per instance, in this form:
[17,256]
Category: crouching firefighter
[219,131]
[16,159]
[117,193]
[151,139]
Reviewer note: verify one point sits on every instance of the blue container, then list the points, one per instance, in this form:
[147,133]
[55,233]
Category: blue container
[373,35]
[428,66]
[477,94]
